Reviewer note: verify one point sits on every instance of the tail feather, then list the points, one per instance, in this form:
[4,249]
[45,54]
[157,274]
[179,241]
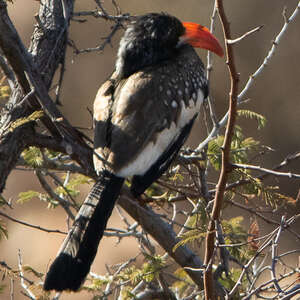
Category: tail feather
[79,248]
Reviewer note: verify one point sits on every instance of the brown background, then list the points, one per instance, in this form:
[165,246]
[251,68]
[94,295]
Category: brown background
[276,95]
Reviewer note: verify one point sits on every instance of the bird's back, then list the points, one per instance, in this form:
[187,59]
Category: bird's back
[146,112]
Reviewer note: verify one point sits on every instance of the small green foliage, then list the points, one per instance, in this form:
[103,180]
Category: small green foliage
[230,281]
[32,117]
[30,270]
[198,219]
[154,190]
[71,187]
[255,187]
[183,283]
[214,152]
[125,293]
[241,147]
[176,174]
[27,196]
[132,273]
[152,268]
[261,120]
[4,89]
[148,272]
[2,287]
[24,197]
[235,233]
[97,283]
[4,92]
[33,157]
[190,236]
[3,230]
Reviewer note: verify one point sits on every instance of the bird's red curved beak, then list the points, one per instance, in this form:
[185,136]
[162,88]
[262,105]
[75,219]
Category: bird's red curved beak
[200,37]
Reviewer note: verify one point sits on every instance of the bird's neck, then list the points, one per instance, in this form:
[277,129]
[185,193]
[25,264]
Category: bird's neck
[133,57]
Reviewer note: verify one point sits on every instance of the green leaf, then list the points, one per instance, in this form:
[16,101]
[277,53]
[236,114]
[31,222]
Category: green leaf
[2,286]
[30,270]
[190,236]
[21,121]
[230,281]
[183,283]
[3,230]
[261,120]
[234,233]
[27,196]
[98,283]
[4,92]
[214,152]
[33,157]
[72,185]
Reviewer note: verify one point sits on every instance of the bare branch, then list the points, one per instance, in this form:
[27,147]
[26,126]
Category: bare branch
[225,169]
[100,48]
[245,35]
[98,14]
[23,284]
[264,170]
[30,225]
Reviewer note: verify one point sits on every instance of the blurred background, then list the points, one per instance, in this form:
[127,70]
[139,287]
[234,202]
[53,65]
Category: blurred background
[275,94]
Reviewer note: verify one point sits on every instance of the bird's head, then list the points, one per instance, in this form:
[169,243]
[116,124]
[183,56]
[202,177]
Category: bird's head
[155,37]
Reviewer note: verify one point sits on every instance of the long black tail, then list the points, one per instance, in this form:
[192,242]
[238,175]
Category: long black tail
[79,249]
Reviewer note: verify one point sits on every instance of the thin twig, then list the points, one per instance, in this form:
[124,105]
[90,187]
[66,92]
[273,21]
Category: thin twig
[65,204]
[245,35]
[264,170]
[100,48]
[23,284]
[30,225]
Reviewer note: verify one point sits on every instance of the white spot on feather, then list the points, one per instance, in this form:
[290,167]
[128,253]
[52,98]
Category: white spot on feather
[174,104]
[151,153]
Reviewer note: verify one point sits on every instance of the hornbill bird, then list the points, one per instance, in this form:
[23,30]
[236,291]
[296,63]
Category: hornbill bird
[142,116]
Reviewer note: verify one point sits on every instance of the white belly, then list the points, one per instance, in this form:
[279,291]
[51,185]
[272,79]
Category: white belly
[150,154]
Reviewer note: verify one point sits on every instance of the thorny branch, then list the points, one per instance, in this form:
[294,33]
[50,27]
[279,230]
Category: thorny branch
[225,168]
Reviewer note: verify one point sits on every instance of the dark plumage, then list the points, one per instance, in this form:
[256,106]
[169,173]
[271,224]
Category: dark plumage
[143,114]
[149,40]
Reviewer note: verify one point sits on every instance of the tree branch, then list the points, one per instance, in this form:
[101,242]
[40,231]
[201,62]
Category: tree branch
[166,237]
[225,168]
[46,52]
[30,225]
[265,170]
